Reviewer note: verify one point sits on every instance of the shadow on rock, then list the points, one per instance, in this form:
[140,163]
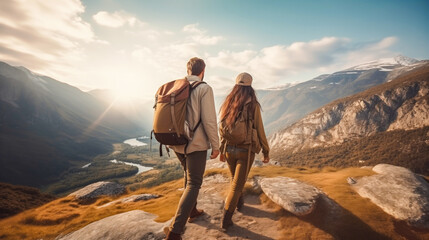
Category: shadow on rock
[340,223]
[258,213]
[241,232]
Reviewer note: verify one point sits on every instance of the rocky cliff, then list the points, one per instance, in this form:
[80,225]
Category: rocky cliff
[287,104]
[401,104]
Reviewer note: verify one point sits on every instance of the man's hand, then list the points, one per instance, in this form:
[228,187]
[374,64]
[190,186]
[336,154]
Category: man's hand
[222,158]
[266,159]
[214,155]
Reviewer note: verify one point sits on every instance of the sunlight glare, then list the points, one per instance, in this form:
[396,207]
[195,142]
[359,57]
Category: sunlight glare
[123,94]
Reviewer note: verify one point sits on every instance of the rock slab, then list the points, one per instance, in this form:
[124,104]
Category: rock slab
[133,198]
[399,192]
[294,196]
[98,189]
[132,225]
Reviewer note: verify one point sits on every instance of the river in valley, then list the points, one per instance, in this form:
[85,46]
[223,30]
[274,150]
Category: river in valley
[134,142]
[141,168]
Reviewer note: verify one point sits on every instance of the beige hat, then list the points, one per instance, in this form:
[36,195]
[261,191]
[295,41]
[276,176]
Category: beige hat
[244,79]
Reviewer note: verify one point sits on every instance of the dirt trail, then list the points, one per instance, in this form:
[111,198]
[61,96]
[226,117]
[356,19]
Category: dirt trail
[255,221]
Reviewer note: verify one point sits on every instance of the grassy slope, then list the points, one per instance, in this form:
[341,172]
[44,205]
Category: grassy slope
[15,199]
[358,219]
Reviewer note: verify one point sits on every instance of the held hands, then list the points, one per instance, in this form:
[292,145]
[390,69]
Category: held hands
[214,155]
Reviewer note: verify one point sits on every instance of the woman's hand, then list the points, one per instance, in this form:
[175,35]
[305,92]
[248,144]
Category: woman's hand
[266,159]
[222,158]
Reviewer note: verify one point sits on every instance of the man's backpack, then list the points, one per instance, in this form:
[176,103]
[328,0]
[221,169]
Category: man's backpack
[170,113]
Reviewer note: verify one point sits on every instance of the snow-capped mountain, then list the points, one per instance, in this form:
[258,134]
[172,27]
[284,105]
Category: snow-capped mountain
[282,87]
[282,107]
[386,64]
[387,123]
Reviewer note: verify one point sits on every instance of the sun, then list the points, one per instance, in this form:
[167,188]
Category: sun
[123,94]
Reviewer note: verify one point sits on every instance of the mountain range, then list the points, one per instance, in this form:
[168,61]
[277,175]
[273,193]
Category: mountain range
[387,123]
[284,106]
[47,126]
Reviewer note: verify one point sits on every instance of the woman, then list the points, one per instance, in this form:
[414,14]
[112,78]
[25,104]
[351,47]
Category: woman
[242,135]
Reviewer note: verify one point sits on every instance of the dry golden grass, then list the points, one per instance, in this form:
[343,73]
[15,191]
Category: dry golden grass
[66,214]
[358,218]
[171,160]
[133,156]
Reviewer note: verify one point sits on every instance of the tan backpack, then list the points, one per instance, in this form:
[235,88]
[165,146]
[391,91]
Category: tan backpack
[170,113]
[240,133]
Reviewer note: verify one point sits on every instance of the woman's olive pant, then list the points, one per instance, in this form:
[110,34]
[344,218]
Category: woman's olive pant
[237,159]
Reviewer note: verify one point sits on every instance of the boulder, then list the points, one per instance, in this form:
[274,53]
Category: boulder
[133,198]
[139,197]
[294,196]
[215,163]
[217,178]
[98,189]
[132,225]
[399,192]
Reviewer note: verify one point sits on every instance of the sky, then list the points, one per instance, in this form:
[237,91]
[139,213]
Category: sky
[134,46]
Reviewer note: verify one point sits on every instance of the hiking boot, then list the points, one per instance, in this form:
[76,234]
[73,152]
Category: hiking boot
[226,220]
[169,235]
[240,203]
[195,213]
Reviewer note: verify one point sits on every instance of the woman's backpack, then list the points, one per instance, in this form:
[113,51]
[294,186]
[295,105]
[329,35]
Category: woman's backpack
[240,132]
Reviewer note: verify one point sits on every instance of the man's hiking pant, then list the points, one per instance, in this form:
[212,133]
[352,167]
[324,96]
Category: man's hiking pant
[195,164]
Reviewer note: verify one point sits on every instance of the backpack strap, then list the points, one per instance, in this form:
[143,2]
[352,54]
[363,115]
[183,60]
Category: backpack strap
[194,85]
[250,113]
[172,102]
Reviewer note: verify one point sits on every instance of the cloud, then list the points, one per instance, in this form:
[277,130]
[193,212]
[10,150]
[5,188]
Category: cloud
[169,60]
[281,62]
[371,51]
[116,19]
[44,35]
[192,28]
[221,84]
[50,37]
[279,59]
[200,36]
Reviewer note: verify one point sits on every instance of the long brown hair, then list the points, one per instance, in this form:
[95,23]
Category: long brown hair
[234,103]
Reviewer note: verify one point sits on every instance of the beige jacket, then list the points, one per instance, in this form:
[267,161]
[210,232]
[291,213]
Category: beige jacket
[201,104]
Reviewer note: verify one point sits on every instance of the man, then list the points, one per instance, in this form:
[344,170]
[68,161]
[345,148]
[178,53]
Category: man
[200,106]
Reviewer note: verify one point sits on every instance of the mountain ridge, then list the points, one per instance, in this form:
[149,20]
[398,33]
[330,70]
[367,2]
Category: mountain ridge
[47,126]
[282,108]
[378,117]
